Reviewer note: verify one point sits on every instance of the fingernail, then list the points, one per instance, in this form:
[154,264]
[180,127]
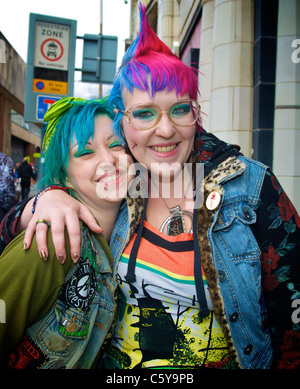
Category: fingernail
[75,257]
[61,259]
[43,255]
[24,246]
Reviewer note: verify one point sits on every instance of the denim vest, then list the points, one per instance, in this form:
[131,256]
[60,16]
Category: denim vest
[236,257]
[71,334]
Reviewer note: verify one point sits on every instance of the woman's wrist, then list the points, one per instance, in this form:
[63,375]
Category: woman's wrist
[24,217]
[50,187]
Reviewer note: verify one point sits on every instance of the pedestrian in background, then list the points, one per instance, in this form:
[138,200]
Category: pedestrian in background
[7,186]
[25,173]
[17,182]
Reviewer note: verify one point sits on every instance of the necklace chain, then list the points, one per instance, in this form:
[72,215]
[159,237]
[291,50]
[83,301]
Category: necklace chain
[174,222]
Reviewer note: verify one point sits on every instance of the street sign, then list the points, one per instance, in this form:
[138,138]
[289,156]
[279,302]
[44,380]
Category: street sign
[51,45]
[47,86]
[43,104]
[99,60]
[50,63]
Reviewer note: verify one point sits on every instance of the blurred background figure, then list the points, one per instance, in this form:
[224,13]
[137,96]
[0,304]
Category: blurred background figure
[25,173]
[7,185]
[17,182]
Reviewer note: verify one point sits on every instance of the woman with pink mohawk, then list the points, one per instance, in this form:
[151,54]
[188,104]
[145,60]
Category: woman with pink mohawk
[210,276]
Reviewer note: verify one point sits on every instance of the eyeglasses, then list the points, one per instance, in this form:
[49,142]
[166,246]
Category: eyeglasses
[146,116]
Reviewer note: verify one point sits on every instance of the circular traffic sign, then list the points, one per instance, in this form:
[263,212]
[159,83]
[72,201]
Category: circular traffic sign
[40,85]
[52,49]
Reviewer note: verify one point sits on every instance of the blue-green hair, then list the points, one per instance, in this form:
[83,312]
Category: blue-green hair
[77,121]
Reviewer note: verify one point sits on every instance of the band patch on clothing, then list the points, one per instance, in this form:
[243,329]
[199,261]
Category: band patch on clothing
[79,291]
[27,355]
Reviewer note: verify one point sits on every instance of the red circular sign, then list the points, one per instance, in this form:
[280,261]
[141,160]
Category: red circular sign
[52,49]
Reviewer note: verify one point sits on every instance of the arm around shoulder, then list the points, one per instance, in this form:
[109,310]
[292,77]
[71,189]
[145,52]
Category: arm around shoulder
[28,288]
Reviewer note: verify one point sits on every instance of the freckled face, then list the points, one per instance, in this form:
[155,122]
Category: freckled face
[166,142]
[100,171]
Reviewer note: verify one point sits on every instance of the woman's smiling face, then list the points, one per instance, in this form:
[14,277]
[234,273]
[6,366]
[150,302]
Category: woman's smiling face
[166,143]
[100,171]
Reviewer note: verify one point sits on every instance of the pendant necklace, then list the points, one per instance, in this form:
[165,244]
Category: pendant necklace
[175,223]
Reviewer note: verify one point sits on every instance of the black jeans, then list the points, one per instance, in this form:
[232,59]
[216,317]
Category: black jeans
[25,189]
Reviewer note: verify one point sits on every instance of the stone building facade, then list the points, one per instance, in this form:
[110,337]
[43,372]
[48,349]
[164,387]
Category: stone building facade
[17,138]
[248,56]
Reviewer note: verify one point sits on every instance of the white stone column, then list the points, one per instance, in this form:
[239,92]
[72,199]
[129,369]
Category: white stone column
[286,151]
[231,110]
[165,21]
[205,66]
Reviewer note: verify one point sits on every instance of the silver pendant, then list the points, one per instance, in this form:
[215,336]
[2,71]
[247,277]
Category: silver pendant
[175,223]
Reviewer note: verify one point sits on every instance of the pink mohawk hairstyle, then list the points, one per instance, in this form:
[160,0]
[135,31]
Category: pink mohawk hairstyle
[148,41]
[148,58]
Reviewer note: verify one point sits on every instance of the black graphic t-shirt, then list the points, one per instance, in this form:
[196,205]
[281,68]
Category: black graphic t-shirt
[158,324]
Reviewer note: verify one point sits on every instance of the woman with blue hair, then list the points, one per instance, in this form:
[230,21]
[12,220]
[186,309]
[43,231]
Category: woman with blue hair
[58,316]
[206,280]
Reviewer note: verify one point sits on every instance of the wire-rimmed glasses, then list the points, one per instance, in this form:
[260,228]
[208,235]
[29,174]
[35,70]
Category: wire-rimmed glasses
[146,116]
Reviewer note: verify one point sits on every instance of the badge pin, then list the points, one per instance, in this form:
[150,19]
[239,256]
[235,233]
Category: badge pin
[213,200]
[71,326]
